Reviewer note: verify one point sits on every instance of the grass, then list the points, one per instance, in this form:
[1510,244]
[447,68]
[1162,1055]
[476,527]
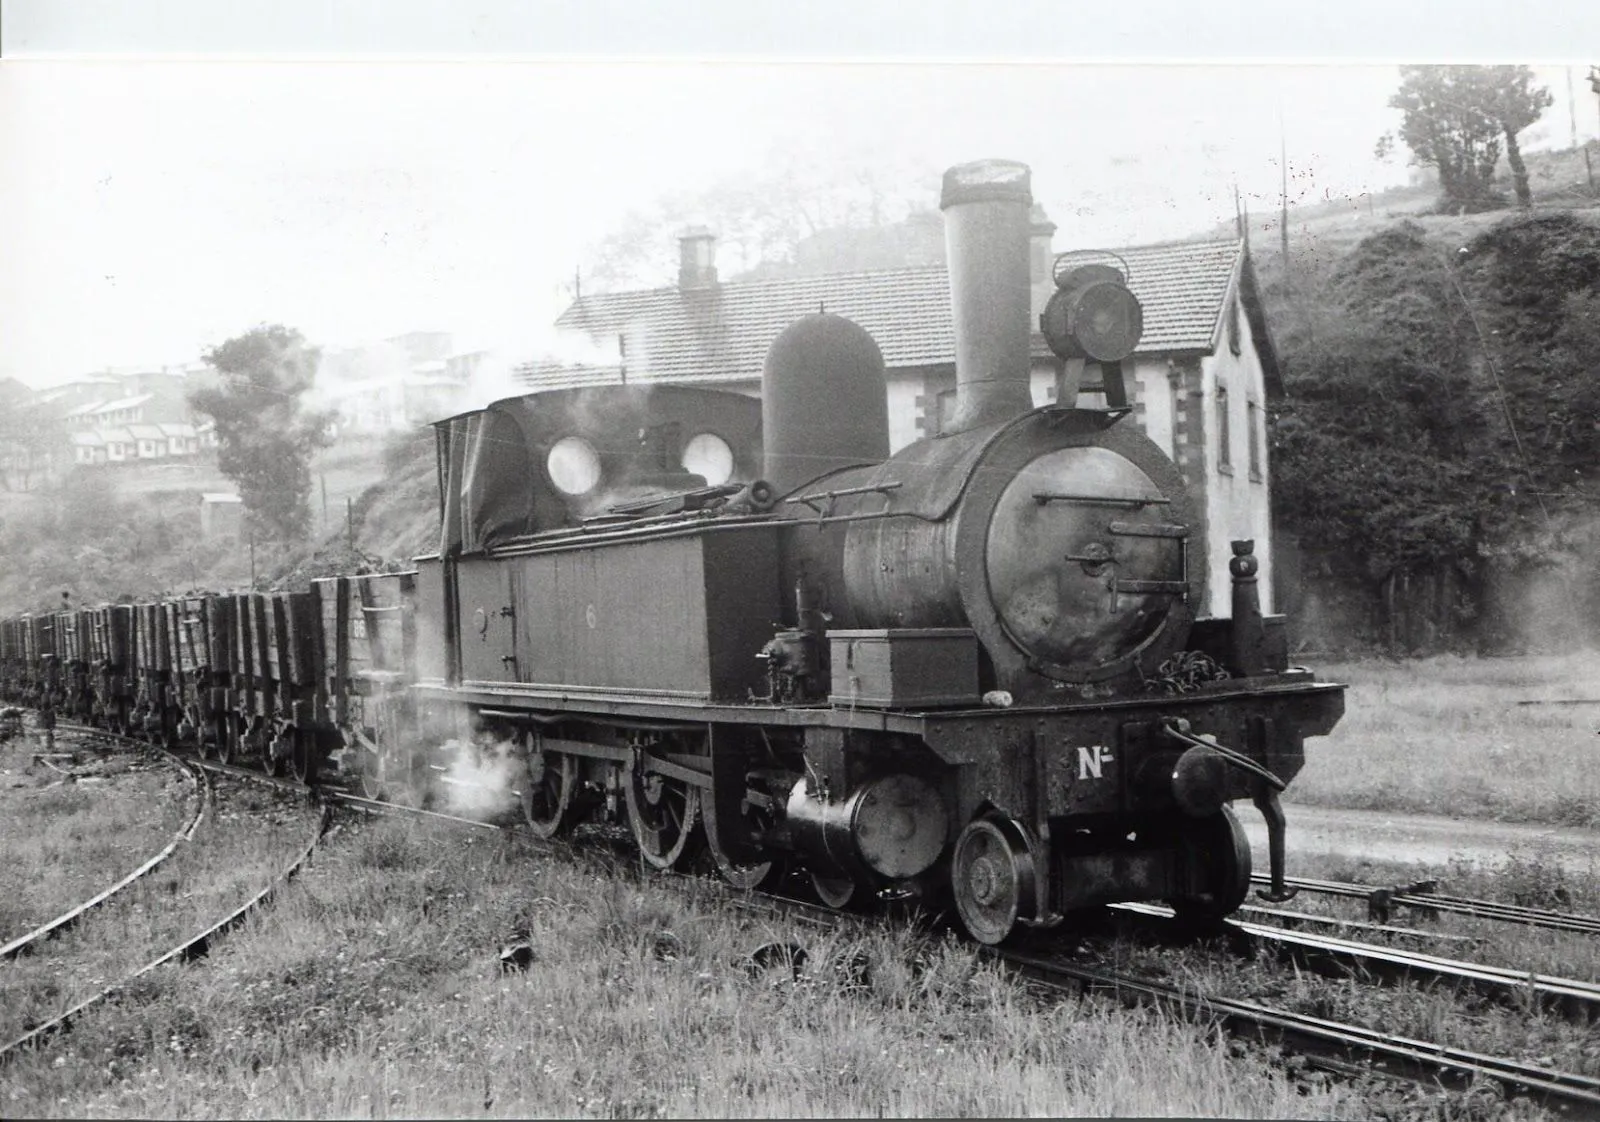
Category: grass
[1445,735]
[373,988]
[65,840]
[239,850]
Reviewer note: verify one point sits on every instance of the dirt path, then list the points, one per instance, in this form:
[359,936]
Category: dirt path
[1423,838]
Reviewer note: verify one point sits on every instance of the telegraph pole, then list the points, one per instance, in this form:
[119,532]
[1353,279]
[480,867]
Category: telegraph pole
[1588,166]
[1283,196]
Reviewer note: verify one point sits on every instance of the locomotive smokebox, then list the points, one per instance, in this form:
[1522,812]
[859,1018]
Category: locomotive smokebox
[824,401]
[987,228]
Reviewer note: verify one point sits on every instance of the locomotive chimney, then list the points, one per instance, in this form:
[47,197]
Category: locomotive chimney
[987,230]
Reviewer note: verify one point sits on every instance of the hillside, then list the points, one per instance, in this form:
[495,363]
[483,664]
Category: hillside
[132,531]
[1434,460]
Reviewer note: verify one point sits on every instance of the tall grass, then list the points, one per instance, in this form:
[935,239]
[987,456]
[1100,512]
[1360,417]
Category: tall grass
[373,989]
[64,840]
[1446,735]
[241,849]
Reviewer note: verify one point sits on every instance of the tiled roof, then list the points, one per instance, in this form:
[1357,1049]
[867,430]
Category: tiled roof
[722,333]
[123,403]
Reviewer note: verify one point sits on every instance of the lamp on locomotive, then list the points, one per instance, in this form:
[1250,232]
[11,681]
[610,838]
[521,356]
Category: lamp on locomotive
[1092,315]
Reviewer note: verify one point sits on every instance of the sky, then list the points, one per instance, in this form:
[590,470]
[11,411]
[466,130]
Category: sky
[154,204]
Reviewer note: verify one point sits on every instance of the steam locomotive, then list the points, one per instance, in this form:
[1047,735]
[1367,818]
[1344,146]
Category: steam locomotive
[744,625]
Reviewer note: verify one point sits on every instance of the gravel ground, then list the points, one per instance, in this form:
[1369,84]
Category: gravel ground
[1426,839]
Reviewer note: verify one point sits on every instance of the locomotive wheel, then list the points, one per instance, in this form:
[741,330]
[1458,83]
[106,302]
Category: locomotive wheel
[547,792]
[836,892]
[663,814]
[993,879]
[751,875]
[1220,850]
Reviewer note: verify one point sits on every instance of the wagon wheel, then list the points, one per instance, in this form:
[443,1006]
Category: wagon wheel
[993,878]
[166,735]
[663,814]
[230,737]
[547,790]
[371,770]
[835,892]
[185,718]
[1218,851]
[303,757]
[277,747]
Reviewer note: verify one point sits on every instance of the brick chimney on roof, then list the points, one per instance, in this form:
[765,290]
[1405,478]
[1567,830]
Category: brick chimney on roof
[697,258]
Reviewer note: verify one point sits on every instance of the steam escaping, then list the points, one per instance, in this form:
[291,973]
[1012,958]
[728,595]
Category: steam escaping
[482,776]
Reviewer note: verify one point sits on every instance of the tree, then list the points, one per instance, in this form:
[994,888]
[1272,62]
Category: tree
[31,436]
[265,435]
[1455,118]
[1515,104]
[766,224]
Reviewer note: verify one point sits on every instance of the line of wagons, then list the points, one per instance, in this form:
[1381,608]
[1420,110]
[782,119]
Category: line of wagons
[294,680]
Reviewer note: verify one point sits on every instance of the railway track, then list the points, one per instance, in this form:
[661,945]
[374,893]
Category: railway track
[1328,954]
[1339,1047]
[1344,1049]
[193,947]
[1420,898]
[24,944]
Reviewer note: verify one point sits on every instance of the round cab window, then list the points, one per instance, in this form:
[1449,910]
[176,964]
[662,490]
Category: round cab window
[574,465]
[710,456]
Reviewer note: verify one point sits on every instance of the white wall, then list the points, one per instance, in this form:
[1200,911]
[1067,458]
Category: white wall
[1237,506]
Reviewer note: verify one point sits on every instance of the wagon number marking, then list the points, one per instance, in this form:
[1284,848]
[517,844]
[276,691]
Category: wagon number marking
[1092,760]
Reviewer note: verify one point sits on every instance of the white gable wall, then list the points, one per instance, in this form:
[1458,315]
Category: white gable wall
[1237,499]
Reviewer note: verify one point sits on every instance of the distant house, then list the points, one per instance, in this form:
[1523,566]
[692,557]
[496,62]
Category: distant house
[121,445]
[400,383]
[88,447]
[1199,382]
[124,416]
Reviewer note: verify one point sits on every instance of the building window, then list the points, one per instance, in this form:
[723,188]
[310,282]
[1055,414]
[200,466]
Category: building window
[1224,437]
[1253,432]
[1235,328]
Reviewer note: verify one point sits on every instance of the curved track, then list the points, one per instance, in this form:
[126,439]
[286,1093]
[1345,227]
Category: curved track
[24,944]
[194,947]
